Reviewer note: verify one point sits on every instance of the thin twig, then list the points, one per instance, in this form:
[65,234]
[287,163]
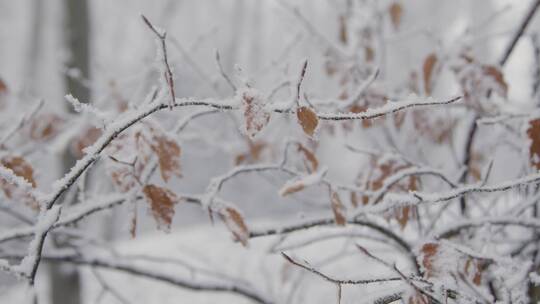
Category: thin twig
[222,72]
[521,29]
[299,82]
[309,268]
[167,74]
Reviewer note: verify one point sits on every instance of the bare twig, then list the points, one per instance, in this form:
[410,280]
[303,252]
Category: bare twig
[299,82]
[223,74]
[521,29]
[330,279]
[167,74]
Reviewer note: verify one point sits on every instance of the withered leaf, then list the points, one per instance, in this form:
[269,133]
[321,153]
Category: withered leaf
[473,269]
[369,54]
[168,153]
[533,132]
[20,167]
[402,215]
[290,188]
[235,222]
[3,87]
[161,202]
[308,120]
[343,29]
[310,157]
[339,209]
[498,77]
[396,11]
[45,126]
[23,169]
[429,252]
[87,138]
[428,69]
[255,116]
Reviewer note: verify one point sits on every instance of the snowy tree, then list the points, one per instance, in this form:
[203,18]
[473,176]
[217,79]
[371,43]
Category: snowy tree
[270,152]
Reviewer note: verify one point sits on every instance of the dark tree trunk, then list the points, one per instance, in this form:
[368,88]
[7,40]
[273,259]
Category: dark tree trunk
[65,281]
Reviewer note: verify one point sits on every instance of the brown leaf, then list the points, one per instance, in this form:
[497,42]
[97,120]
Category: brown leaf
[497,76]
[308,120]
[533,132]
[45,126]
[123,178]
[418,298]
[428,68]
[402,216]
[369,54]
[343,29]
[338,209]
[429,252]
[396,12]
[475,272]
[168,153]
[354,199]
[3,87]
[235,222]
[256,149]
[255,116]
[366,123]
[87,138]
[20,167]
[291,188]
[133,223]
[310,157]
[162,204]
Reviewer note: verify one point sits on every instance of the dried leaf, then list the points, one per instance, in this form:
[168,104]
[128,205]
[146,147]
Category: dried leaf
[533,132]
[235,222]
[256,149]
[291,188]
[418,298]
[308,120]
[473,269]
[3,87]
[20,167]
[402,215]
[161,202]
[396,11]
[497,76]
[429,252]
[168,153]
[45,126]
[255,116]
[133,223]
[338,209]
[87,138]
[354,199]
[123,178]
[428,68]
[369,54]
[343,29]
[310,157]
